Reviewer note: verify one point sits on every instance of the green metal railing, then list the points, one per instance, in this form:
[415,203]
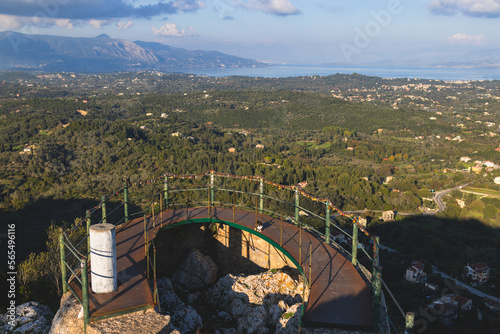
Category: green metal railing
[261,196]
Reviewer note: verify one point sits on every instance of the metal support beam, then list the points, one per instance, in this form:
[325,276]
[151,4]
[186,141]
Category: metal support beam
[62,251]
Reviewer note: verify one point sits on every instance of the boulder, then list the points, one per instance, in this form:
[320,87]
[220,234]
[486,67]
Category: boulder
[184,317]
[187,319]
[254,321]
[196,272]
[259,302]
[30,317]
[289,323]
[68,321]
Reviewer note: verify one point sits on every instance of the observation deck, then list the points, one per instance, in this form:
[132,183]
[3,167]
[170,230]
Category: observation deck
[343,294]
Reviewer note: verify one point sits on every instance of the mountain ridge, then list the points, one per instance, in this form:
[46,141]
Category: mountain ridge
[104,54]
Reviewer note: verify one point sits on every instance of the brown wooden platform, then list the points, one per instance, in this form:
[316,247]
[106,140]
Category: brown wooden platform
[339,296]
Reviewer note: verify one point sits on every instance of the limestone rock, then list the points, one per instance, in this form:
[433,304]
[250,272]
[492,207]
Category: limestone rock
[254,321]
[148,321]
[184,317]
[228,331]
[258,302]
[66,321]
[196,272]
[30,317]
[289,323]
[187,319]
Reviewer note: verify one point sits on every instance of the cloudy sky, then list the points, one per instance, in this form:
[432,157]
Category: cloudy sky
[280,31]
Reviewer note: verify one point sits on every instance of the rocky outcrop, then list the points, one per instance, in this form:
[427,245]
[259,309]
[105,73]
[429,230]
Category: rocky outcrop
[260,303]
[196,272]
[184,317]
[68,320]
[29,317]
[264,303]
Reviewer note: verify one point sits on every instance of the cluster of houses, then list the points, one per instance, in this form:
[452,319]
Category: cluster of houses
[449,306]
[478,273]
[489,166]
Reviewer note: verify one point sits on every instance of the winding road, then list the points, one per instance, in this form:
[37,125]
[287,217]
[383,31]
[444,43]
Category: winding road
[438,197]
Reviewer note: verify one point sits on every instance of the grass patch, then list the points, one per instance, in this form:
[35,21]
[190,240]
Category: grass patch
[483,191]
[313,146]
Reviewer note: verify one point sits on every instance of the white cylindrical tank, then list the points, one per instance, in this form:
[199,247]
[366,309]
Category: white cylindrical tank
[103,258]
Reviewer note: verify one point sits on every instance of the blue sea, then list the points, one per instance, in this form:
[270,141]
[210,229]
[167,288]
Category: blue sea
[282,71]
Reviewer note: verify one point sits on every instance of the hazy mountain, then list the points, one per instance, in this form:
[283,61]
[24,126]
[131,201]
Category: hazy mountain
[104,54]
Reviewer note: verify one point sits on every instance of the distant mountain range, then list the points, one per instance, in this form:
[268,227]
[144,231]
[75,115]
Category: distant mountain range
[104,54]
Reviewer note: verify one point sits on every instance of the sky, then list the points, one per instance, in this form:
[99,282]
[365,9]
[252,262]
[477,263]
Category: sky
[350,32]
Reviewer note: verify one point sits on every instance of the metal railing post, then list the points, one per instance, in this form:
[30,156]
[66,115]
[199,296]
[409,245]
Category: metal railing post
[161,210]
[89,222]
[146,245]
[209,206]
[165,192]
[296,205]
[187,204]
[212,187]
[376,248]
[153,216]
[85,290]
[409,322]
[125,201]
[310,263]
[62,252]
[377,293]
[256,213]
[300,245]
[281,229]
[145,238]
[327,223]
[154,275]
[234,206]
[103,207]
[354,258]
[261,195]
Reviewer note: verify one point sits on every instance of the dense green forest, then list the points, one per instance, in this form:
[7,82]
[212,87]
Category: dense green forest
[65,141]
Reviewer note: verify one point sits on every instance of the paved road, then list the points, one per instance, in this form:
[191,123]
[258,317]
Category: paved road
[438,197]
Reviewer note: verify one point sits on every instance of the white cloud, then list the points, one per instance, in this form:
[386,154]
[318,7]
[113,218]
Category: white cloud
[32,23]
[479,8]
[98,9]
[467,39]
[8,22]
[64,23]
[124,25]
[98,23]
[188,5]
[277,7]
[171,30]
